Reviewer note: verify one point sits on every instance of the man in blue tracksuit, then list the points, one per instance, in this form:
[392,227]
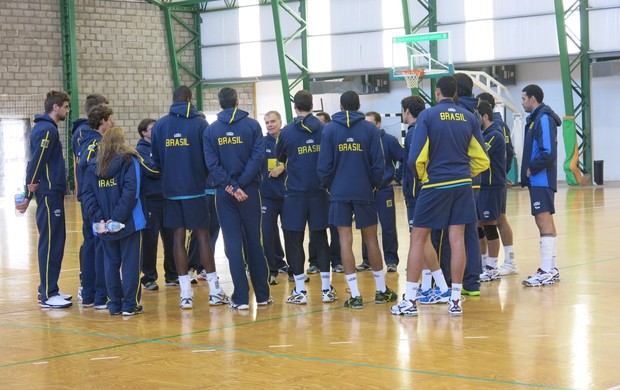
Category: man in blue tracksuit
[234,150]
[46,179]
[446,152]
[351,166]
[272,193]
[82,137]
[154,197]
[384,198]
[176,145]
[305,198]
[539,175]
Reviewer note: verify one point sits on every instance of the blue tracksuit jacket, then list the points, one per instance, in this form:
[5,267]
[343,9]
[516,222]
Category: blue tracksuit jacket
[393,153]
[47,164]
[510,149]
[495,145]
[271,187]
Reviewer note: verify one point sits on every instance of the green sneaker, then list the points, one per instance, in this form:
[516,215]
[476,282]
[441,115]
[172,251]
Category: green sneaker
[385,296]
[470,293]
[354,302]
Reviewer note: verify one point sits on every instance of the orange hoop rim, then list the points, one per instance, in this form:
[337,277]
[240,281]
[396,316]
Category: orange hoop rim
[414,72]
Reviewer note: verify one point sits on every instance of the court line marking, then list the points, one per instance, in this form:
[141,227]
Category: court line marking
[280,346]
[105,358]
[203,350]
[476,337]
[38,363]
[341,342]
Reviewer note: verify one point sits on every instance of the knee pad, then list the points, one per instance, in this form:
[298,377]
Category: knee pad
[491,232]
[480,233]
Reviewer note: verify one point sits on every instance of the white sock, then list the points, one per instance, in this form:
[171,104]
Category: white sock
[299,282]
[185,285]
[352,281]
[555,253]
[483,259]
[379,280]
[492,262]
[325,284]
[509,255]
[546,252]
[214,283]
[411,291]
[427,279]
[456,291]
[440,280]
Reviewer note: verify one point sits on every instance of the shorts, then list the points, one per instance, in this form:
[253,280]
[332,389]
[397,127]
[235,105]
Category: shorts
[438,208]
[190,213]
[541,200]
[502,207]
[341,214]
[489,204]
[298,210]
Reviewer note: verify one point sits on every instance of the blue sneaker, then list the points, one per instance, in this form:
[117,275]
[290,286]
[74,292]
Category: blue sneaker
[435,297]
[425,293]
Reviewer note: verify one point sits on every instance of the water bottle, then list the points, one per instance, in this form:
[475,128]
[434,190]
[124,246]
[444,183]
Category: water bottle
[114,226]
[99,228]
[19,199]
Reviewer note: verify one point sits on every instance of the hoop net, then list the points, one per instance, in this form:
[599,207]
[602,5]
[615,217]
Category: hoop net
[413,77]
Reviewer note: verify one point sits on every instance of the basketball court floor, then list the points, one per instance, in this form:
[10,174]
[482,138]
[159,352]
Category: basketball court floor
[555,337]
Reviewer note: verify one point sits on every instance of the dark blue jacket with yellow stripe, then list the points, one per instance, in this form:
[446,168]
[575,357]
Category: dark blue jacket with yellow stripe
[47,164]
[84,143]
[447,147]
[495,145]
[271,187]
[411,183]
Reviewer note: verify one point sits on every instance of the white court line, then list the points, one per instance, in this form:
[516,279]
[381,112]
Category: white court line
[40,363]
[36,274]
[105,358]
[203,350]
[614,388]
[341,342]
[538,335]
[611,334]
[281,346]
[476,337]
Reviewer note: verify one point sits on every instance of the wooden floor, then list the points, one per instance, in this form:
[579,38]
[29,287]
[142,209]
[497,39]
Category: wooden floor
[562,336]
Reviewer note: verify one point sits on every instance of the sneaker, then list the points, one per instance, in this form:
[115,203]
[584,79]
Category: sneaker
[508,269]
[489,274]
[283,270]
[88,304]
[187,303]
[219,299]
[454,307]
[556,275]
[272,280]
[265,303]
[56,302]
[191,273]
[239,306]
[151,286]
[313,269]
[101,307]
[471,293]
[172,282]
[540,278]
[420,293]
[298,298]
[202,275]
[385,296]
[392,268]
[137,310]
[338,268]
[405,307]
[363,267]
[329,295]
[79,294]
[291,278]
[66,297]
[435,297]
[354,302]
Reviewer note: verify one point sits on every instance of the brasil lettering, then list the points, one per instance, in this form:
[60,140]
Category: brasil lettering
[177,142]
[350,147]
[308,149]
[229,141]
[452,116]
[107,183]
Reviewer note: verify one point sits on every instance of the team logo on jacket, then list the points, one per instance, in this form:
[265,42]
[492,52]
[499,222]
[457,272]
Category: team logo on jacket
[230,133]
[309,141]
[268,150]
[45,143]
[486,214]
[350,146]
[57,212]
[537,205]
[263,209]
[350,140]
[177,135]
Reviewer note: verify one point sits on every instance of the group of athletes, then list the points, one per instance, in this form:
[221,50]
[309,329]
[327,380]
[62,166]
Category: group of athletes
[316,173]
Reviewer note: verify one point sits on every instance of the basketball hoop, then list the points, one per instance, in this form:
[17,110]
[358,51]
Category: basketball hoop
[413,77]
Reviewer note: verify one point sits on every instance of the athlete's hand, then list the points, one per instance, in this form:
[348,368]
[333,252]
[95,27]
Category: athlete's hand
[240,195]
[23,206]
[33,187]
[528,173]
[277,171]
[229,189]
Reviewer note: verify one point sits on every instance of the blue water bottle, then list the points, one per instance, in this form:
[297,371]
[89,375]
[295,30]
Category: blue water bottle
[19,199]
[114,226]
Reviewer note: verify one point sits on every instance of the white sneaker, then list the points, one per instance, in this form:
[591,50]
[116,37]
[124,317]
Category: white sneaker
[269,301]
[56,302]
[454,307]
[202,275]
[298,298]
[540,278]
[329,295]
[191,273]
[66,297]
[187,303]
[219,299]
[556,275]
[79,294]
[508,269]
[405,308]
[239,306]
[489,274]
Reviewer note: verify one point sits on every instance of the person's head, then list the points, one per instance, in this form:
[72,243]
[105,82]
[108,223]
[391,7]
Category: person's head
[302,101]
[464,84]
[182,94]
[112,144]
[374,117]
[273,121]
[486,113]
[487,97]
[531,97]
[412,106]
[93,100]
[350,101]
[144,128]
[228,98]
[324,117]
[100,118]
[57,105]
[445,88]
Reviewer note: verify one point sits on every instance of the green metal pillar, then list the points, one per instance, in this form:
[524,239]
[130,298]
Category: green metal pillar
[70,78]
[283,55]
[174,63]
[577,138]
[198,62]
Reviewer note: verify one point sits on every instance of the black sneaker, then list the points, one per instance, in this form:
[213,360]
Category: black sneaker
[272,280]
[151,286]
[172,282]
[137,310]
[385,296]
[354,302]
[363,267]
